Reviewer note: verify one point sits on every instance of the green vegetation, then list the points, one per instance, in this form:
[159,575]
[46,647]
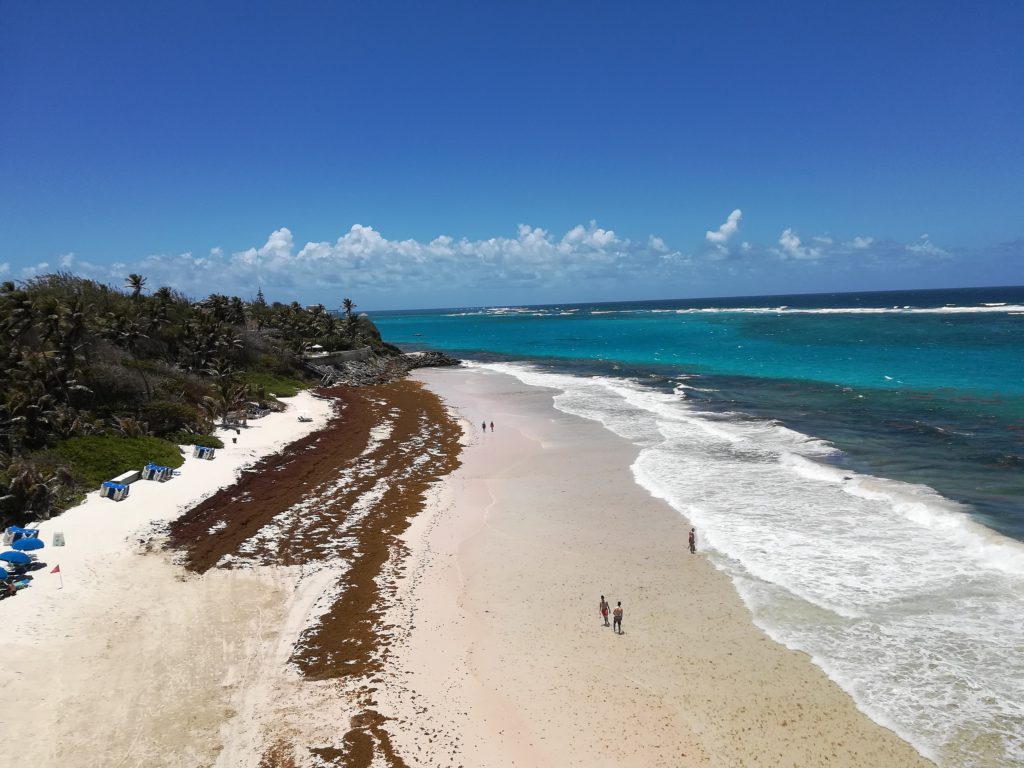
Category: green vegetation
[190,438]
[87,364]
[272,384]
[95,458]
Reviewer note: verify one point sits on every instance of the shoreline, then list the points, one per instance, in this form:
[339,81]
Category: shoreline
[396,590]
[507,654]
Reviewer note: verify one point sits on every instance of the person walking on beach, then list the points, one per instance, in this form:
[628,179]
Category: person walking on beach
[693,541]
[492,426]
[617,618]
[484,425]
[602,608]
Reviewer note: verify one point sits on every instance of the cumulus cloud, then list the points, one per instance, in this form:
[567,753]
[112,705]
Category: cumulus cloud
[925,247]
[35,269]
[593,237]
[792,248]
[721,235]
[363,259]
[585,259]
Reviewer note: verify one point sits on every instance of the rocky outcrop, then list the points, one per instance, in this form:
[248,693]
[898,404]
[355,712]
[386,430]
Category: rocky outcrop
[380,370]
[429,360]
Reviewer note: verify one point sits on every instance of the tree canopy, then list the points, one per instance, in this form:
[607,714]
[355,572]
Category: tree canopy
[81,358]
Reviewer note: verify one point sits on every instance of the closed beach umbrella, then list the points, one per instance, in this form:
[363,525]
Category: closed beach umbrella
[27,545]
[16,558]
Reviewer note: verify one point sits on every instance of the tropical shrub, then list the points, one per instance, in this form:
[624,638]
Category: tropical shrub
[191,438]
[96,458]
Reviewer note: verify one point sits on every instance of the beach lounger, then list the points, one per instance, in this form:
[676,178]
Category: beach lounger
[115,491]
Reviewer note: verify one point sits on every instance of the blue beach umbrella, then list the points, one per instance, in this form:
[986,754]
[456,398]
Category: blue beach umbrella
[4,573]
[16,558]
[27,545]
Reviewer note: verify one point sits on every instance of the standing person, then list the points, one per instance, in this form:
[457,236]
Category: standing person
[484,425]
[693,541]
[492,426]
[602,608]
[617,618]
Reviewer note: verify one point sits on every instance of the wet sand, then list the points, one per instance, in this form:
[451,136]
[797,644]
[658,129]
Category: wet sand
[508,662]
[398,589]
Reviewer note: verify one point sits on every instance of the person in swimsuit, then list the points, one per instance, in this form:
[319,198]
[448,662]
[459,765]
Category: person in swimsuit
[602,608]
[617,618]
[693,541]
[492,426]
[484,425]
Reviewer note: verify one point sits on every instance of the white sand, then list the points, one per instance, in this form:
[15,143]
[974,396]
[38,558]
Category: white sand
[159,658]
[500,659]
[505,663]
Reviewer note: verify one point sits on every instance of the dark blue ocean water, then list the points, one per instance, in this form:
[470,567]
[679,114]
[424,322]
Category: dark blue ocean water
[921,386]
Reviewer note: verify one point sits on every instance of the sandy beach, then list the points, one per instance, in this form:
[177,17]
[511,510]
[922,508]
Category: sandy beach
[131,661]
[398,588]
[507,662]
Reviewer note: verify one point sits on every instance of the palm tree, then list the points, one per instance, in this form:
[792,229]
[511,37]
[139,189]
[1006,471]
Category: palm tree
[258,310]
[228,341]
[31,489]
[164,295]
[348,305]
[74,329]
[229,394]
[27,413]
[236,311]
[136,283]
[128,334]
[17,318]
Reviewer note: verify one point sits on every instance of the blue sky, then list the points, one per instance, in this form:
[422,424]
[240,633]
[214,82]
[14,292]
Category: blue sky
[412,154]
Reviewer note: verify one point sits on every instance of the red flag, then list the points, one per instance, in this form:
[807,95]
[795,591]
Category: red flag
[56,569]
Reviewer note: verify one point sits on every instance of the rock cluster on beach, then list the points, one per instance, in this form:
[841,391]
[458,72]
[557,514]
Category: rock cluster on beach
[381,369]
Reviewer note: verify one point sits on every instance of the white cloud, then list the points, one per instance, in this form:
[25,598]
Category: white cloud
[924,246]
[593,236]
[5,268]
[860,243]
[363,259]
[793,249]
[721,235]
[35,269]
[585,259]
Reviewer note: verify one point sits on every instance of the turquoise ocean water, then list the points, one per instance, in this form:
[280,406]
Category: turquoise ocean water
[855,462]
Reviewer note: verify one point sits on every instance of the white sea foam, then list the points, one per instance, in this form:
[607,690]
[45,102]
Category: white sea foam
[949,309]
[786,310]
[892,589]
